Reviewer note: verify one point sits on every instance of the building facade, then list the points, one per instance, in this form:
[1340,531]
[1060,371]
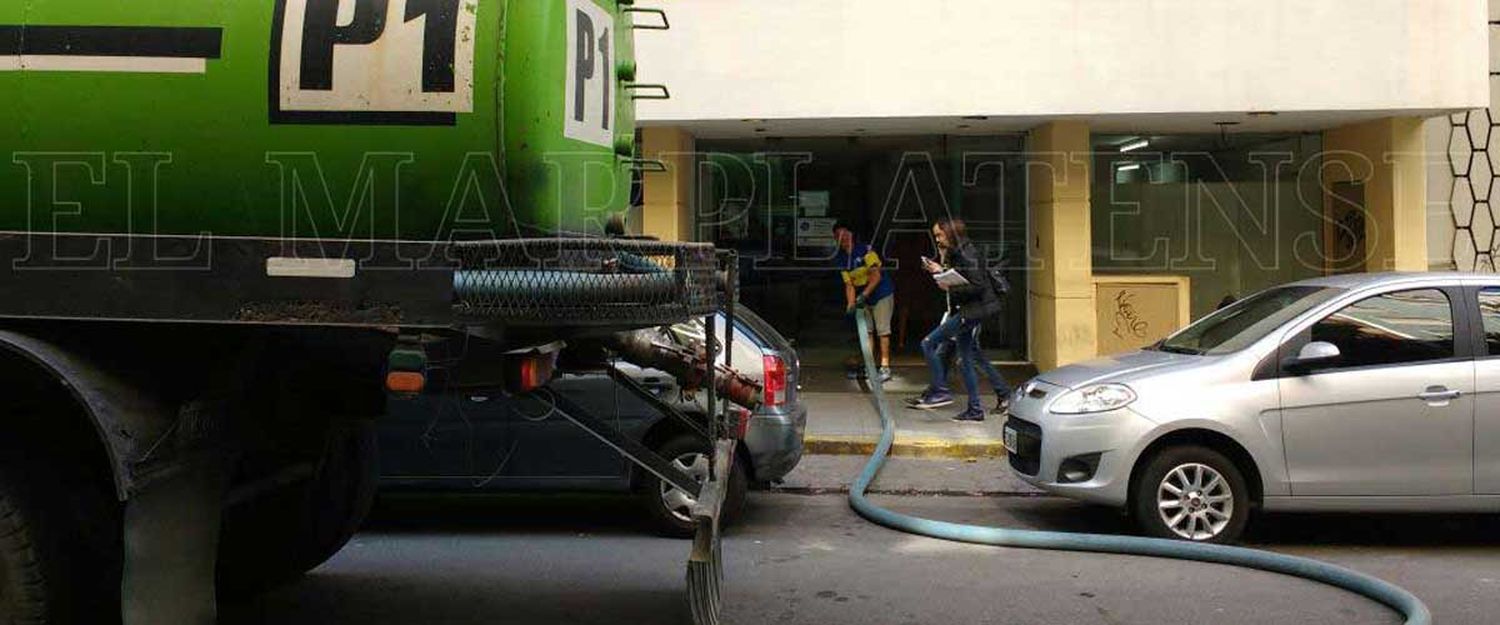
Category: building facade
[1130,165]
[1463,171]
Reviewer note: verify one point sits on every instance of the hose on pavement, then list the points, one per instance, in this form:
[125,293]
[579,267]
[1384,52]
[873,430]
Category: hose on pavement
[1395,597]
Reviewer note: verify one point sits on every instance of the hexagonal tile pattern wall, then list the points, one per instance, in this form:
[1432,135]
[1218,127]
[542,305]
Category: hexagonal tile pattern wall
[1460,151]
[1481,176]
[1482,229]
[1461,203]
[1463,250]
[1474,159]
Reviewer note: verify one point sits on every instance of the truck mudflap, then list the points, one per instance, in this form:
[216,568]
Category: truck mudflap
[705,566]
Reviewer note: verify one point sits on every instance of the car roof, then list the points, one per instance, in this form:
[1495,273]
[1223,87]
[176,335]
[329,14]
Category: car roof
[1391,278]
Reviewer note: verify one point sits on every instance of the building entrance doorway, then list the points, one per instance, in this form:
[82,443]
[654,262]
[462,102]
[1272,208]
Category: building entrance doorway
[776,200]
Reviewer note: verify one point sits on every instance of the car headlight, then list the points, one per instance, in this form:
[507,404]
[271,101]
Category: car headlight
[1094,398]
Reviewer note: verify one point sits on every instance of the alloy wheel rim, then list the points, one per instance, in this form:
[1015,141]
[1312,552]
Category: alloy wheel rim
[678,501]
[1195,501]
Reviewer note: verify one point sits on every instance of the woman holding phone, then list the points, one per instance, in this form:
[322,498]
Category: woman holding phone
[969,303]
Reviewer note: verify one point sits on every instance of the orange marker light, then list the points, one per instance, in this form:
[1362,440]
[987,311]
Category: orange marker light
[405,382]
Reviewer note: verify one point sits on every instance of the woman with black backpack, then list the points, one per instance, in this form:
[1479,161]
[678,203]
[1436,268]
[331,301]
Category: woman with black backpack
[968,305]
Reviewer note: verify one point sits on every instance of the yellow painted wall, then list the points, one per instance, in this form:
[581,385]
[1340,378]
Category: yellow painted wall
[668,210]
[1137,310]
[1064,327]
[1387,156]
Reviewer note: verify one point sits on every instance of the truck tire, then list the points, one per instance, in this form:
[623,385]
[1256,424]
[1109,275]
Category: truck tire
[45,579]
[274,539]
[670,519]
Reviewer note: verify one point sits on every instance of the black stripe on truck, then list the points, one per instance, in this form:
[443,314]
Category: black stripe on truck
[126,41]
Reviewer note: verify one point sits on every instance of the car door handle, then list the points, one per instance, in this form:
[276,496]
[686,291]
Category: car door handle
[1438,393]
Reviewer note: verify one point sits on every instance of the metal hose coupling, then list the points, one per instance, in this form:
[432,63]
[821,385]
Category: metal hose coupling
[688,364]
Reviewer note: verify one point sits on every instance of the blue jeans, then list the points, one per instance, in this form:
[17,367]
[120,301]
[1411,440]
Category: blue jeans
[965,334]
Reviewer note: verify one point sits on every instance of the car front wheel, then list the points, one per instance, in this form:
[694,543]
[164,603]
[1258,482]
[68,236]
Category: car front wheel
[1192,493]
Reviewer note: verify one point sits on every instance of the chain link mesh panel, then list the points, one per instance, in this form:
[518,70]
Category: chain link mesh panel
[585,282]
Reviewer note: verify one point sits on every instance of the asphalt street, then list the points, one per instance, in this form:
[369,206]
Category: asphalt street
[806,559]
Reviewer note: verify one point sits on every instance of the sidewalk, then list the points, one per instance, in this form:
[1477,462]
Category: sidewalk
[841,418]
[817,475]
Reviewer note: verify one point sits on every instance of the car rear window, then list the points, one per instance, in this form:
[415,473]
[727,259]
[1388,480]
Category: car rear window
[1489,315]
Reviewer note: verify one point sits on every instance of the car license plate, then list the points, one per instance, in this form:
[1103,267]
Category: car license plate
[1010,439]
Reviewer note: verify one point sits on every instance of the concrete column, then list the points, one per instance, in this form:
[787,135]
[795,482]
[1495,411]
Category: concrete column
[1061,289]
[668,210]
[1386,155]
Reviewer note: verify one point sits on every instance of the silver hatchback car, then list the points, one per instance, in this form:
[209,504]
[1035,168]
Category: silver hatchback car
[1366,392]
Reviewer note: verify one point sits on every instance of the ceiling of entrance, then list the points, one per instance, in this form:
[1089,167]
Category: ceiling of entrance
[1138,123]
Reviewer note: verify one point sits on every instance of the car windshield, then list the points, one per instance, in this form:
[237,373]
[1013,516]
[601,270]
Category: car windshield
[1236,326]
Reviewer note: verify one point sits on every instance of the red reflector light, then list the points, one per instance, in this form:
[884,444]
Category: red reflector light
[530,374]
[774,393]
[532,371]
[405,382]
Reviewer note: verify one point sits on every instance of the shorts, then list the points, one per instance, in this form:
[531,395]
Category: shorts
[881,312]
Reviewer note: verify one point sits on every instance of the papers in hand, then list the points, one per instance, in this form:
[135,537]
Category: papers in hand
[949,278]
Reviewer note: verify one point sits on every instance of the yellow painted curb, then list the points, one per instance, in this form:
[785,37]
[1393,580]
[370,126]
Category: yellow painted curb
[909,447]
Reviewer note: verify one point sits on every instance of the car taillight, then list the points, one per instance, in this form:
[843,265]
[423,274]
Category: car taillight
[774,393]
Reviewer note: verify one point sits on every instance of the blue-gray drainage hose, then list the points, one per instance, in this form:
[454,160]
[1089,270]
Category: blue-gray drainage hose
[1397,598]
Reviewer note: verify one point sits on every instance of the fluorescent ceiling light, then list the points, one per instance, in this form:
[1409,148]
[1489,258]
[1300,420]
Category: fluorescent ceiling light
[1129,167]
[1134,145]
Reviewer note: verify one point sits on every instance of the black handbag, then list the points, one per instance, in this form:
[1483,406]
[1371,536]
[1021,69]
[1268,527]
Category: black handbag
[996,273]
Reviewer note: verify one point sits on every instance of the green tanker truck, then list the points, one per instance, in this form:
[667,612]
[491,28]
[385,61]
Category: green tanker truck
[367,119]
[232,230]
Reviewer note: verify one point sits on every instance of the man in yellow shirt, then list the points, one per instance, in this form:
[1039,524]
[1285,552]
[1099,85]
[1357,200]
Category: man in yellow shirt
[865,284]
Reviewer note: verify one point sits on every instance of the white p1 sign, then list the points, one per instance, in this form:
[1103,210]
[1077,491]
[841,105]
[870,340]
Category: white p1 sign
[352,61]
[589,98]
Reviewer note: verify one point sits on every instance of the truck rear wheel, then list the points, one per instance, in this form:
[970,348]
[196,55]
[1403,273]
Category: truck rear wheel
[43,577]
[275,538]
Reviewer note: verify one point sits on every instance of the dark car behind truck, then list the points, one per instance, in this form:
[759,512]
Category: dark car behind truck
[480,440]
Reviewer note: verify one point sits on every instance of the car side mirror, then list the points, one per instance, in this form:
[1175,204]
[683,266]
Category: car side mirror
[1313,355]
